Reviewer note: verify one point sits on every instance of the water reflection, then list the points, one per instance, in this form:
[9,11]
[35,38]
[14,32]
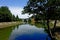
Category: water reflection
[28,32]
[5,32]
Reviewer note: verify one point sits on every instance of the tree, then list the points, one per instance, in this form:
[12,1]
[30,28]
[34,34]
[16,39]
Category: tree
[48,9]
[53,10]
[13,18]
[5,14]
[34,7]
[17,18]
[37,7]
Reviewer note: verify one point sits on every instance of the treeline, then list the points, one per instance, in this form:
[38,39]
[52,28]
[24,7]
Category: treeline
[6,15]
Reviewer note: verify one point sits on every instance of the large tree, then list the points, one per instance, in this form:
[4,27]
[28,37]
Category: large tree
[5,14]
[48,9]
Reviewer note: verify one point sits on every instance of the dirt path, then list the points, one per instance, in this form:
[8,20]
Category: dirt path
[7,24]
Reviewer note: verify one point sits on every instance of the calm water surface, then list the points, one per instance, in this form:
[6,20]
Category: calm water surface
[23,32]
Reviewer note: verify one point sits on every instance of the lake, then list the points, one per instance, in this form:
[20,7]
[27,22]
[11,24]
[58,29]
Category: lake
[24,32]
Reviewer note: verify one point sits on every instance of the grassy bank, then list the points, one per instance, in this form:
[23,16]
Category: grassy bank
[8,24]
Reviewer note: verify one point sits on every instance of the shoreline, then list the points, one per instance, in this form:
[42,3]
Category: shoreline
[8,24]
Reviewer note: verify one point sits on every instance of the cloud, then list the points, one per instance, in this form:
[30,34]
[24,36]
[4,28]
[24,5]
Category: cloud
[17,11]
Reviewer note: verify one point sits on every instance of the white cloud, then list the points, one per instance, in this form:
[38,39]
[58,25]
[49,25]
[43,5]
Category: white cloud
[17,11]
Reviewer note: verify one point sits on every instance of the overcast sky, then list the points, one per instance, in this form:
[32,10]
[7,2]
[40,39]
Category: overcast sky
[15,6]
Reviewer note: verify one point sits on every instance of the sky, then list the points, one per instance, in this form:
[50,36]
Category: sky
[15,6]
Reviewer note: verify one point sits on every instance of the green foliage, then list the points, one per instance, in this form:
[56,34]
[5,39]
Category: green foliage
[13,18]
[5,14]
[48,9]
[17,18]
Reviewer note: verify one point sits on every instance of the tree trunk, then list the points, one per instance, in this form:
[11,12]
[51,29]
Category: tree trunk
[53,30]
[55,25]
[49,30]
